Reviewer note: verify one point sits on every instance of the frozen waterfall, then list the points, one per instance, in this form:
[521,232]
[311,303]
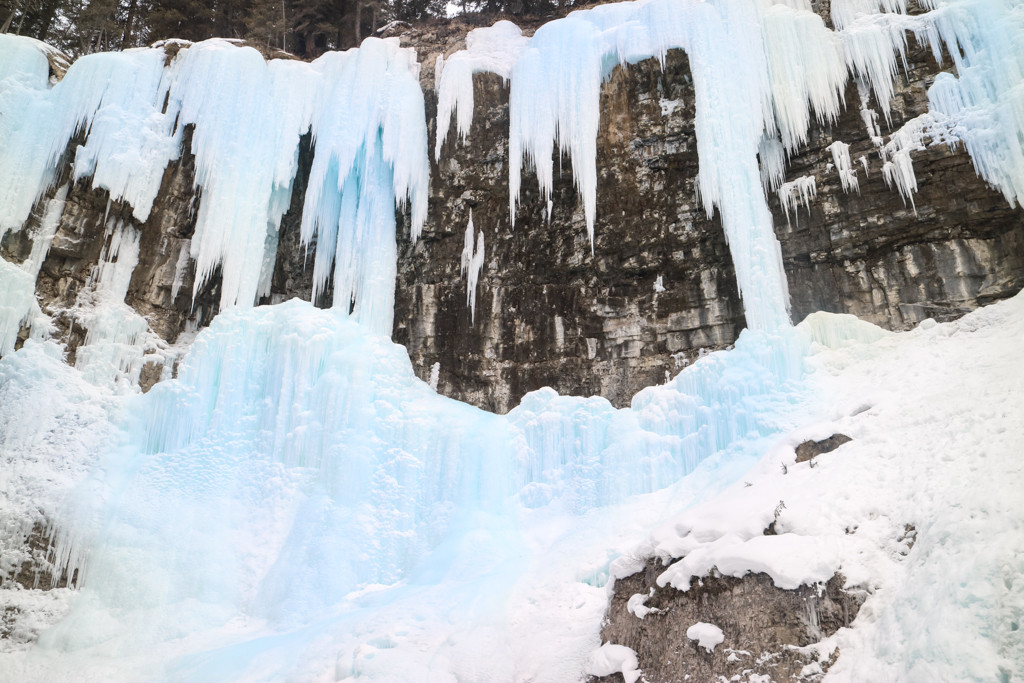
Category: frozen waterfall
[296,504]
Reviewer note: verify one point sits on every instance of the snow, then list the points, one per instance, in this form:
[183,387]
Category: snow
[611,659]
[635,605]
[708,636]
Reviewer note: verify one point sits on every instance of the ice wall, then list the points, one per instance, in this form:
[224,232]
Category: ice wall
[297,460]
[124,114]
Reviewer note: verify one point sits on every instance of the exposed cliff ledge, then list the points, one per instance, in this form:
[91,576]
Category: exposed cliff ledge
[767,631]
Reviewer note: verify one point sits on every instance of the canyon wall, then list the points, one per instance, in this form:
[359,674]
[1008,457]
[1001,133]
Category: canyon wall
[654,290]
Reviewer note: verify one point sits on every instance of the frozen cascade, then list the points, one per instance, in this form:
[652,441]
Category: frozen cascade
[308,462]
[297,504]
[248,116]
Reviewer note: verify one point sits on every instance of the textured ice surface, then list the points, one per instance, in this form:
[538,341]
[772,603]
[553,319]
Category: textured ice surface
[297,463]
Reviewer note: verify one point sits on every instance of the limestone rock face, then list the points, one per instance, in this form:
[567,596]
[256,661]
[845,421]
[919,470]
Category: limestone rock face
[657,286]
[654,290]
[893,262]
[552,309]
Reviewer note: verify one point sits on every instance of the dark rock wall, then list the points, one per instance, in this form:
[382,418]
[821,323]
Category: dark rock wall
[549,311]
[554,310]
[870,253]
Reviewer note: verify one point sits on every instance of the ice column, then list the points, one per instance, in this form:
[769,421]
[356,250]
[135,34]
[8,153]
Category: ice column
[369,128]
[471,263]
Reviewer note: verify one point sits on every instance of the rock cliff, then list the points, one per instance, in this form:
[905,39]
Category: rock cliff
[654,290]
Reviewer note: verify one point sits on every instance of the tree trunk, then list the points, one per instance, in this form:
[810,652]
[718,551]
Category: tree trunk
[7,24]
[126,37]
[359,20]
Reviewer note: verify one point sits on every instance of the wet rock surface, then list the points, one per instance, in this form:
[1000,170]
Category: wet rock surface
[767,631]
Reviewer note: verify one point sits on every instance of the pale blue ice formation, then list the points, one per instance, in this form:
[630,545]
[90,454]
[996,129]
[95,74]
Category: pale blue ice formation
[297,459]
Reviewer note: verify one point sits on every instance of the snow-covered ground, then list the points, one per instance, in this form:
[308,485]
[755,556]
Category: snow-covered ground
[515,592]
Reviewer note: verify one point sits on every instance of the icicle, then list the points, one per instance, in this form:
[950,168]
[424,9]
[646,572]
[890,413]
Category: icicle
[371,152]
[17,303]
[471,263]
[772,157]
[797,193]
[47,229]
[844,166]
[248,116]
[898,172]
[845,12]
[488,50]
[26,129]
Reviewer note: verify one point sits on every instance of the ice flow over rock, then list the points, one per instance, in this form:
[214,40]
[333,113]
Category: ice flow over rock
[297,491]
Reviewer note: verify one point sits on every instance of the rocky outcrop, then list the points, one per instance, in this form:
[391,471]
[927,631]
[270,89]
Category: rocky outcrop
[958,245]
[769,633]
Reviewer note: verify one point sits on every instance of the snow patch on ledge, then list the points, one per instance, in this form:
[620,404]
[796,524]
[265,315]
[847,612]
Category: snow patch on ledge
[708,636]
[612,659]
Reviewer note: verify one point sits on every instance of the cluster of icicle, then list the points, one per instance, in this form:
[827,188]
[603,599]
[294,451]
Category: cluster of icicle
[761,72]
[364,108]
